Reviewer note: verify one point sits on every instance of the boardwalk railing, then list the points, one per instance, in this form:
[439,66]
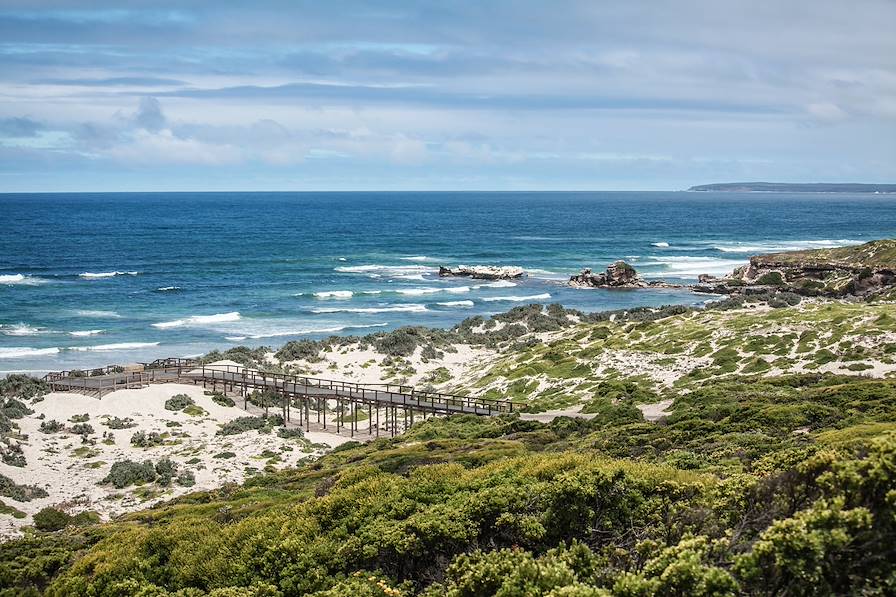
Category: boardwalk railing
[246,379]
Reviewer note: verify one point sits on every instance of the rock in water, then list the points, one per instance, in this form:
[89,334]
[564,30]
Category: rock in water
[618,275]
[483,272]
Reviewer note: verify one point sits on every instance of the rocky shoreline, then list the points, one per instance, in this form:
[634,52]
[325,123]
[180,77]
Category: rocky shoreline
[860,271]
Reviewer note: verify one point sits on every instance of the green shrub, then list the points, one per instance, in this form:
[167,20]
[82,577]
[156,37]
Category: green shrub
[51,426]
[243,424]
[17,385]
[186,479]
[165,471]
[142,439]
[294,433]
[79,418]
[194,410]
[20,493]
[178,402]
[82,429]
[116,423]
[222,400]
[127,472]
[51,519]
[771,279]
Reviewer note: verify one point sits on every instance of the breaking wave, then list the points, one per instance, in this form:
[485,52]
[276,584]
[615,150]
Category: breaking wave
[336,294]
[117,346]
[304,331]
[409,308]
[199,320]
[96,275]
[14,352]
[20,279]
[516,299]
[456,304]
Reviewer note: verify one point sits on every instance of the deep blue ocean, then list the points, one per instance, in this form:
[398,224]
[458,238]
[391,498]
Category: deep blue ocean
[91,279]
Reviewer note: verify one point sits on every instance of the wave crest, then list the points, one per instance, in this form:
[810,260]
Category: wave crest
[199,320]
[517,299]
[97,275]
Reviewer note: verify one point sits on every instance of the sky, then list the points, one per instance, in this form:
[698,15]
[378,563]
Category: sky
[444,95]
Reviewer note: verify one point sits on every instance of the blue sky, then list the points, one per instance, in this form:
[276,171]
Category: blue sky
[444,95]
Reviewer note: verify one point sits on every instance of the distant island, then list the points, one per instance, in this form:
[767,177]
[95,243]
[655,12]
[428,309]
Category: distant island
[786,187]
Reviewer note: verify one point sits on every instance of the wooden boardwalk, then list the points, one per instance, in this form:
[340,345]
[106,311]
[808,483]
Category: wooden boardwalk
[292,392]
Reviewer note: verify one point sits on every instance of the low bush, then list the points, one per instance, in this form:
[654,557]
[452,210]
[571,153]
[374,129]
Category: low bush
[82,429]
[142,439]
[186,479]
[294,433]
[20,493]
[51,426]
[127,472]
[116,423]
[165,471]
[23,386]
[178,402]
[51,519]
[243,424]
[222,400]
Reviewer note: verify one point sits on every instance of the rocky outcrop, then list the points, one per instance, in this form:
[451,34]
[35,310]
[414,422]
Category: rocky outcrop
[865,271]
[483,272]
[618,275]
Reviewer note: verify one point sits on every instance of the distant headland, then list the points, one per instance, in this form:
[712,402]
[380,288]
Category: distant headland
[786,187]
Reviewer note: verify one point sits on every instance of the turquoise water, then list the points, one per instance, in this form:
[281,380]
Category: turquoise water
[90,279]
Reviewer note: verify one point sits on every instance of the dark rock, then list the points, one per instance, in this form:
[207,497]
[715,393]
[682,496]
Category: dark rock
[618,275]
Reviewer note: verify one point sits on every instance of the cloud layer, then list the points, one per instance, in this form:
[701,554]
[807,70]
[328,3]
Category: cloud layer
[436,95]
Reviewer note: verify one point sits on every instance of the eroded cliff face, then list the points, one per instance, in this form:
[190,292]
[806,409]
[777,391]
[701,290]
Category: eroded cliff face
[865,271]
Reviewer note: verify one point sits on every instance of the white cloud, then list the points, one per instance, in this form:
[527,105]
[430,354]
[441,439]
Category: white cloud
[163,147]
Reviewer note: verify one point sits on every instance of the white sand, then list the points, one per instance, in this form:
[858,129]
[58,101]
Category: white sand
[351,363]
[53,465]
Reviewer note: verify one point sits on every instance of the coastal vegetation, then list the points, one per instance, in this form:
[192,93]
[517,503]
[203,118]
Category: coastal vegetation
[765,468]
[782,486]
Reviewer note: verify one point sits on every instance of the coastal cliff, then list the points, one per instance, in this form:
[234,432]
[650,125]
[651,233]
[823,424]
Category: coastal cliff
[865,271]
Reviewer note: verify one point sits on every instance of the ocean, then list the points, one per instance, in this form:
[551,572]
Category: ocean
[94,279]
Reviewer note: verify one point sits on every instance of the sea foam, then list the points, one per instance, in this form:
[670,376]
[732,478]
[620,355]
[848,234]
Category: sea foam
[20,329]
[456,304]
[336,294]
[432,290]
[199,320]
[15,352]
[516,299]
[97,314]
[20,279]
[408,308]
[496,284]
[303,332]
[778,246]
[83,333]
[115,346]
[97,275]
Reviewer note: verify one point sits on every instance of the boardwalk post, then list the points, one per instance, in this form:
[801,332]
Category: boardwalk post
[377,420]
